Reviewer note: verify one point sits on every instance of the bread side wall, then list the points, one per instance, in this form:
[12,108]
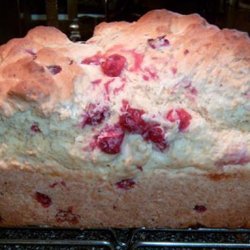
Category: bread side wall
[156,199]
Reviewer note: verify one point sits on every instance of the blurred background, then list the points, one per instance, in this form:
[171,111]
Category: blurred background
[77,18]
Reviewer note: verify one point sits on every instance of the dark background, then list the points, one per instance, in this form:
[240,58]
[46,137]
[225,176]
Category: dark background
[78,17]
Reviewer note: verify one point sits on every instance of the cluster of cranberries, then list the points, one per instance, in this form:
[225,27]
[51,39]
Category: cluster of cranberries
[132,122]
[114,64]
[110,138]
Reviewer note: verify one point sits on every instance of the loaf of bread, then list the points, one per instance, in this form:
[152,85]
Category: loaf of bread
[145,124]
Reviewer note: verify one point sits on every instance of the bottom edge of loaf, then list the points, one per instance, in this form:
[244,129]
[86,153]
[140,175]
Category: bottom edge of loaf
[156,200]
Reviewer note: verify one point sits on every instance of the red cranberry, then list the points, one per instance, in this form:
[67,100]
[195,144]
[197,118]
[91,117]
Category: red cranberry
[174,70]
[94,114]
[53,184]
[54,69]
[110,139]
[67,216]
[63,183]
[125,184]
[139,167]
[43,199]
[93,60]
[138,59]
[180,115]
[35,128]
[125,105]
[132,121]
[96,82]
[158,42]
[200,208]
[155,134]
[113,65]
[150,74]
[193,91]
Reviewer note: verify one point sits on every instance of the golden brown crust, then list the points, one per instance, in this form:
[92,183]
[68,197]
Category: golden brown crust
[28,69]
[33,83]
[47,46]
[154,22]
[48,37]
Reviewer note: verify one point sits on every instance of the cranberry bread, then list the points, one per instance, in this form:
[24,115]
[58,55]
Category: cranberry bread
[145,124]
